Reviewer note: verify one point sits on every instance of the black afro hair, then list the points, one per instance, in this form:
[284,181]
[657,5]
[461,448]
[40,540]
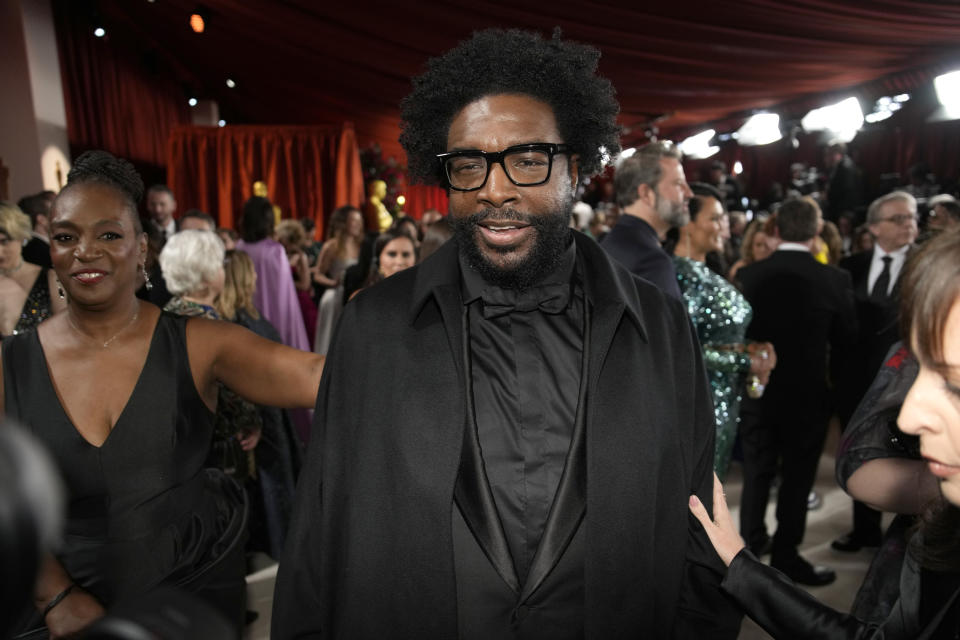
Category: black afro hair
[495,61]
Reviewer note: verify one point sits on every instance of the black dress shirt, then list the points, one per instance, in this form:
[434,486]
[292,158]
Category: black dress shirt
[526,368]
[634,244]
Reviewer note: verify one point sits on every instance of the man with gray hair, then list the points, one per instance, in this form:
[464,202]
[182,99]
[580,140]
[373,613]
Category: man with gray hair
[892,220]
[652,193]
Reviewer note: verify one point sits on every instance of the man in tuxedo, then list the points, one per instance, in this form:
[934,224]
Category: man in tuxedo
[507,433]
[892,221]
[161,205]
[844,182]
[653,193]
[37,249]
[805,309]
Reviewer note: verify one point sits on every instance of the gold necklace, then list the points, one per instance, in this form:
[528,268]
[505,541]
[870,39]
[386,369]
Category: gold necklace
[106,344]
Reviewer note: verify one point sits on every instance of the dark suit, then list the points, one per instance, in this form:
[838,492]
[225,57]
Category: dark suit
[37,251]
[878,330]
[634,244]
[395,533]
[802,307]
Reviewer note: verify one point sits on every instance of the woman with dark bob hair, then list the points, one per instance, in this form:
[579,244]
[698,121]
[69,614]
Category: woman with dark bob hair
[123,396]
[929,604]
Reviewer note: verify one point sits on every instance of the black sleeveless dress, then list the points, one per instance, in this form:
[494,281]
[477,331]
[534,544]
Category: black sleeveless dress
[142,510]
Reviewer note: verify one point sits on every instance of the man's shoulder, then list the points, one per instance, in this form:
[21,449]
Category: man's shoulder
[856,261]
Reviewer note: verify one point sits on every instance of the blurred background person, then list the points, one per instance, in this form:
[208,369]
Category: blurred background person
[37,249]
[340,252]
[757,245]
[26,289]
[291,235]
[392,252]
[437,233]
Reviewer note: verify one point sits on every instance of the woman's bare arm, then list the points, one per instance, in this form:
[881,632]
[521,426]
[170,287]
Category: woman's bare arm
[74,612]
[260,370]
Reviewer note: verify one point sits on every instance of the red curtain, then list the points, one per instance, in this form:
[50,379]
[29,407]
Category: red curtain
[422,197]
[116,97]
[308,171]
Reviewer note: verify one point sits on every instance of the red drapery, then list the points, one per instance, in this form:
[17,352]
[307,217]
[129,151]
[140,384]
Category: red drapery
[308,171]
[115,99]
[422,197]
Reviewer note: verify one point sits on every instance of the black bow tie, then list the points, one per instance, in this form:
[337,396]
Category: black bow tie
[549,298]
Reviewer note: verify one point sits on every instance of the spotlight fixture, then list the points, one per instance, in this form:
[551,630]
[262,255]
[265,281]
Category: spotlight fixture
[197,23]
[99,32]
[698,146]
[842,119]
[401,200]
[230,83]
[759,129]
[948,93]
[192,102]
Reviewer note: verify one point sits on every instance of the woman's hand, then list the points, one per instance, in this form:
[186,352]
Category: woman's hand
[723,536]
[249,439]
[73,614]
[763,359]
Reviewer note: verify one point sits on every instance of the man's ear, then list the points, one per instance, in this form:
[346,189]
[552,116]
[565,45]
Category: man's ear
[647,195]
[573,166]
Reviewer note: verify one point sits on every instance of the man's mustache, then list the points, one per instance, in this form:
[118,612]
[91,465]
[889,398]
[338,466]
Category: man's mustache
[504,215]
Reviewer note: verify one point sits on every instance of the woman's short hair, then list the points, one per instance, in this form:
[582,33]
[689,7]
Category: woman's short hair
[257,220]
[291,232]
[190,260]
[14,223]
[239,285]
[930,287]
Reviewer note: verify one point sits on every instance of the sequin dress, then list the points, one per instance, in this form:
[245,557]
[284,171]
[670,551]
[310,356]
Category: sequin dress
[720,315]
[36,308]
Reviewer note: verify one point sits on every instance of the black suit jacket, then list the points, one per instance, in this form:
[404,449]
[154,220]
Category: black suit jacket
[634,244]
[38,252]
[879,329]
[371,551]
[805,309]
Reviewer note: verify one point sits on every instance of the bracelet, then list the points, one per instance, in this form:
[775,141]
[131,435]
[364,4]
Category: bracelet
[57,600]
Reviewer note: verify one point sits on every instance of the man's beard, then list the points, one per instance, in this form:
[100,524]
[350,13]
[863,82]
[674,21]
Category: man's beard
[674,214]
[551,238]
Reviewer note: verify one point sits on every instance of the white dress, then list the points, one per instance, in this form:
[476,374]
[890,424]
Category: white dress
[331,303]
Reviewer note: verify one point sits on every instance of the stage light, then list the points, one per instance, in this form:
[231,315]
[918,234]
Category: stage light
[698,146]
[948,92]
[197,23]
[230,83]
[99,32]
[737,170]
[903,97]
[877,116]
[842,119]
[221,123]
[192,102]
[401,200]
[759,129]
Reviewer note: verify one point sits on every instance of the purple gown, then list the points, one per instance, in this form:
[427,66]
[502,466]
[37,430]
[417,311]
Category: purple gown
[276,295]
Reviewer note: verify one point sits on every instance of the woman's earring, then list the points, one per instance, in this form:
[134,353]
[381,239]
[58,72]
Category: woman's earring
[146,278]
[60,290]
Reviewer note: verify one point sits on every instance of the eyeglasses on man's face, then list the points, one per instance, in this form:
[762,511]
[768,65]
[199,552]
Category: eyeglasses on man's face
[900,218]
[526,165]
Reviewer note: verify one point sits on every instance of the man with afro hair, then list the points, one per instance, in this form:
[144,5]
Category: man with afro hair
[507,435]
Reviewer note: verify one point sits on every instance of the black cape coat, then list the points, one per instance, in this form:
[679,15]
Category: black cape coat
[370,551]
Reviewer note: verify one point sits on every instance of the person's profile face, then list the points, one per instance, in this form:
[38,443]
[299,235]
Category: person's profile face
[672,193]
[762,246]
[94,245]
[511,229]
[931,410]
[706,229]
[10,252]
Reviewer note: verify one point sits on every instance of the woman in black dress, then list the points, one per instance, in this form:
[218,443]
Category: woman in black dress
[123,396]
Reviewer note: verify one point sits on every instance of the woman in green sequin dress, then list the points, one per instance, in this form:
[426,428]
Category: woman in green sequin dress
[720,315]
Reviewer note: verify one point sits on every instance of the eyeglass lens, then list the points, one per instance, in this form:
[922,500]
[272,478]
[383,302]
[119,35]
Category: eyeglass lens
[526,167]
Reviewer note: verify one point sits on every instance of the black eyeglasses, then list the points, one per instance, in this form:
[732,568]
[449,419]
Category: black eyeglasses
[527,165]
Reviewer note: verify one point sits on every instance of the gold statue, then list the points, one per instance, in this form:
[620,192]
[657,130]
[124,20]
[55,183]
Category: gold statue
[260,190]
[375,213]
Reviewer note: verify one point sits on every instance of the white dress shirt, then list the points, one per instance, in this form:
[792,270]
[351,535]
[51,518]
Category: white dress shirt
[876,265]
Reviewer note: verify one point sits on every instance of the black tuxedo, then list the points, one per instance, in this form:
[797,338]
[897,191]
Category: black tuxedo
[395,533]
[633,243]
[878,330]
[805,309]
[37,251]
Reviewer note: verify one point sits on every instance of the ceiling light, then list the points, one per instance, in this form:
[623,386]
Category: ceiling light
[877,116]
[948,92]
[231,83]
[197,23]
[759,129]
[737,170]
[842,119]
[192,102]
[99,32]
[221,123]
[903,97]
[698,146]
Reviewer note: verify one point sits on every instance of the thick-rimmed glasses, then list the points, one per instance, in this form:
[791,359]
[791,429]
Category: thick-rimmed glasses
[526,165]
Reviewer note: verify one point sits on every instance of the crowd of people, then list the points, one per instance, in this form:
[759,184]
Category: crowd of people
[509,421]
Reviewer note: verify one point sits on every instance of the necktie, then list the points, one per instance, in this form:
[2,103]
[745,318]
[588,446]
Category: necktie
[879,291]
[549,298]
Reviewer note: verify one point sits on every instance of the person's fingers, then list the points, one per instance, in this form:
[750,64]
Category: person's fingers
[720,510]
[700,513]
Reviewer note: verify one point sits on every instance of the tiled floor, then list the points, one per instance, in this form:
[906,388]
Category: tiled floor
[830,521]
